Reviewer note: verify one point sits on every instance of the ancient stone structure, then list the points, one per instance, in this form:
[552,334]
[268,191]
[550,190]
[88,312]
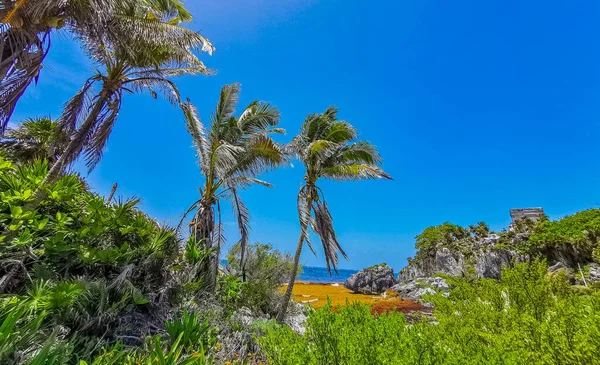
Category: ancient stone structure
[525,213]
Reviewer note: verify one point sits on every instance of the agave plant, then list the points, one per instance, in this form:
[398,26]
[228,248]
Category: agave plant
[34,139]
[231,154]
[131,25]
[328,149]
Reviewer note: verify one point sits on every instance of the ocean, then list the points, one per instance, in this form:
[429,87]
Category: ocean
[320,275]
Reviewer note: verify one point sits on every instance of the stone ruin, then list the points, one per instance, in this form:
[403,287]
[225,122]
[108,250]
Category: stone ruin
[525,213]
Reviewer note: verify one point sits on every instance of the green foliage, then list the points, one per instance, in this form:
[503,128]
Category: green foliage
[76,263]
[191,332]
[527,317]
[581,230]
[443,235]
[265,269]
[38,138]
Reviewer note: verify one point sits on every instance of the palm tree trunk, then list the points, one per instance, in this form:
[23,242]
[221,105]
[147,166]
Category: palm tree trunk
[205,224]
[112,193]
[73,149]
[288,292]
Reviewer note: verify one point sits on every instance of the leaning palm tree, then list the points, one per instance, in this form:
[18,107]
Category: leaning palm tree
[33,139]
[231,153]
[328,149]
[26,27]
[90,115]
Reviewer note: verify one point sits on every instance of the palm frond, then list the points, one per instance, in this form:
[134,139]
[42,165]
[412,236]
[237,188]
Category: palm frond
[258,117]
[323,227]
[243,182]
[242,215]
[75,108]
[340,132]
[94,150]
[227,103]
[155,31]
[261,153]
[167,88]
[305,216]
[355,171]
[196,129]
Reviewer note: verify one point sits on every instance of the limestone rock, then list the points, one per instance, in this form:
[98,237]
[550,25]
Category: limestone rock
[372,280]
[417,288]
[484,261]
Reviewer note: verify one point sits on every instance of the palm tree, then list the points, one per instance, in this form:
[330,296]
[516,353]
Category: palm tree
[33,139]
[26,27]
[328,149]
[149,69]
[231,153]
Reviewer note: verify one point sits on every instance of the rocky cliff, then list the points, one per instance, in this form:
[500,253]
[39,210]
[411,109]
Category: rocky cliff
[483,262]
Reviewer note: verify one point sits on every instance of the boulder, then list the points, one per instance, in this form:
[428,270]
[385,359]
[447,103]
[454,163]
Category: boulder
[372,280]
[559,265]
[417,288]
[594,272]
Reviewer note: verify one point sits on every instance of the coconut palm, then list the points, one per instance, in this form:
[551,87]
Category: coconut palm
[231,154]
[90,115]
[328,149]
[26,28]
[33,139]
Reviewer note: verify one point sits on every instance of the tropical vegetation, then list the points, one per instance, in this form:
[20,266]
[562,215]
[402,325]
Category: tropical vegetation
[527,317]
[231,153]
[92,280]
[327,148]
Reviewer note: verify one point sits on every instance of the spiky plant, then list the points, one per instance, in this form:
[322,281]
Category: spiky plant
[328,149]
[231,153]
[26,27]
[33,139]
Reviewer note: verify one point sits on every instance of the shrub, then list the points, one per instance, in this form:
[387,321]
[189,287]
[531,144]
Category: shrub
[527,317]
[265,270]
[443,235]
[191,332]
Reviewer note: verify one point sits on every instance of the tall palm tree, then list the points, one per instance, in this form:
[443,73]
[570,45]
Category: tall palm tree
[26,27]
[231,153]
[35,138]
[90,118]
[328,149]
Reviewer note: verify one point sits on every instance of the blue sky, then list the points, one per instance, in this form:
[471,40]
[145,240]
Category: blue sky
[476,106]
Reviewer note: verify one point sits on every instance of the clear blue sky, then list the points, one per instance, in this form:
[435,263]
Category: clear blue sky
[476,106]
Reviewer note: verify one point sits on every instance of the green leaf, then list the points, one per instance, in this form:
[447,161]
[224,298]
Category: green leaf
[139,299]
[14,226]
[42,223]
[16,211]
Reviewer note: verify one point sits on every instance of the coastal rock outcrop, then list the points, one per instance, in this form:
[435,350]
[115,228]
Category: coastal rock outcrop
[372,280]
[485,261]
[417,288]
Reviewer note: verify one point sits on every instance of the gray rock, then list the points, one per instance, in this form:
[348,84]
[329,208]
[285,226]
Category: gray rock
[559,265]
[296,317]
[594,274]
[372,280]
[417,288]
[483,261]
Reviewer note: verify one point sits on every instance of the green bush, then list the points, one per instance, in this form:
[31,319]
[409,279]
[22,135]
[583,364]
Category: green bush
[265,269]
[191,332]
[581,230]
[443,235]
[525,318]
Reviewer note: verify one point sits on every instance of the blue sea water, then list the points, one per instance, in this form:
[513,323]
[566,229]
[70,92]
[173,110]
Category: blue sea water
[321,275]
